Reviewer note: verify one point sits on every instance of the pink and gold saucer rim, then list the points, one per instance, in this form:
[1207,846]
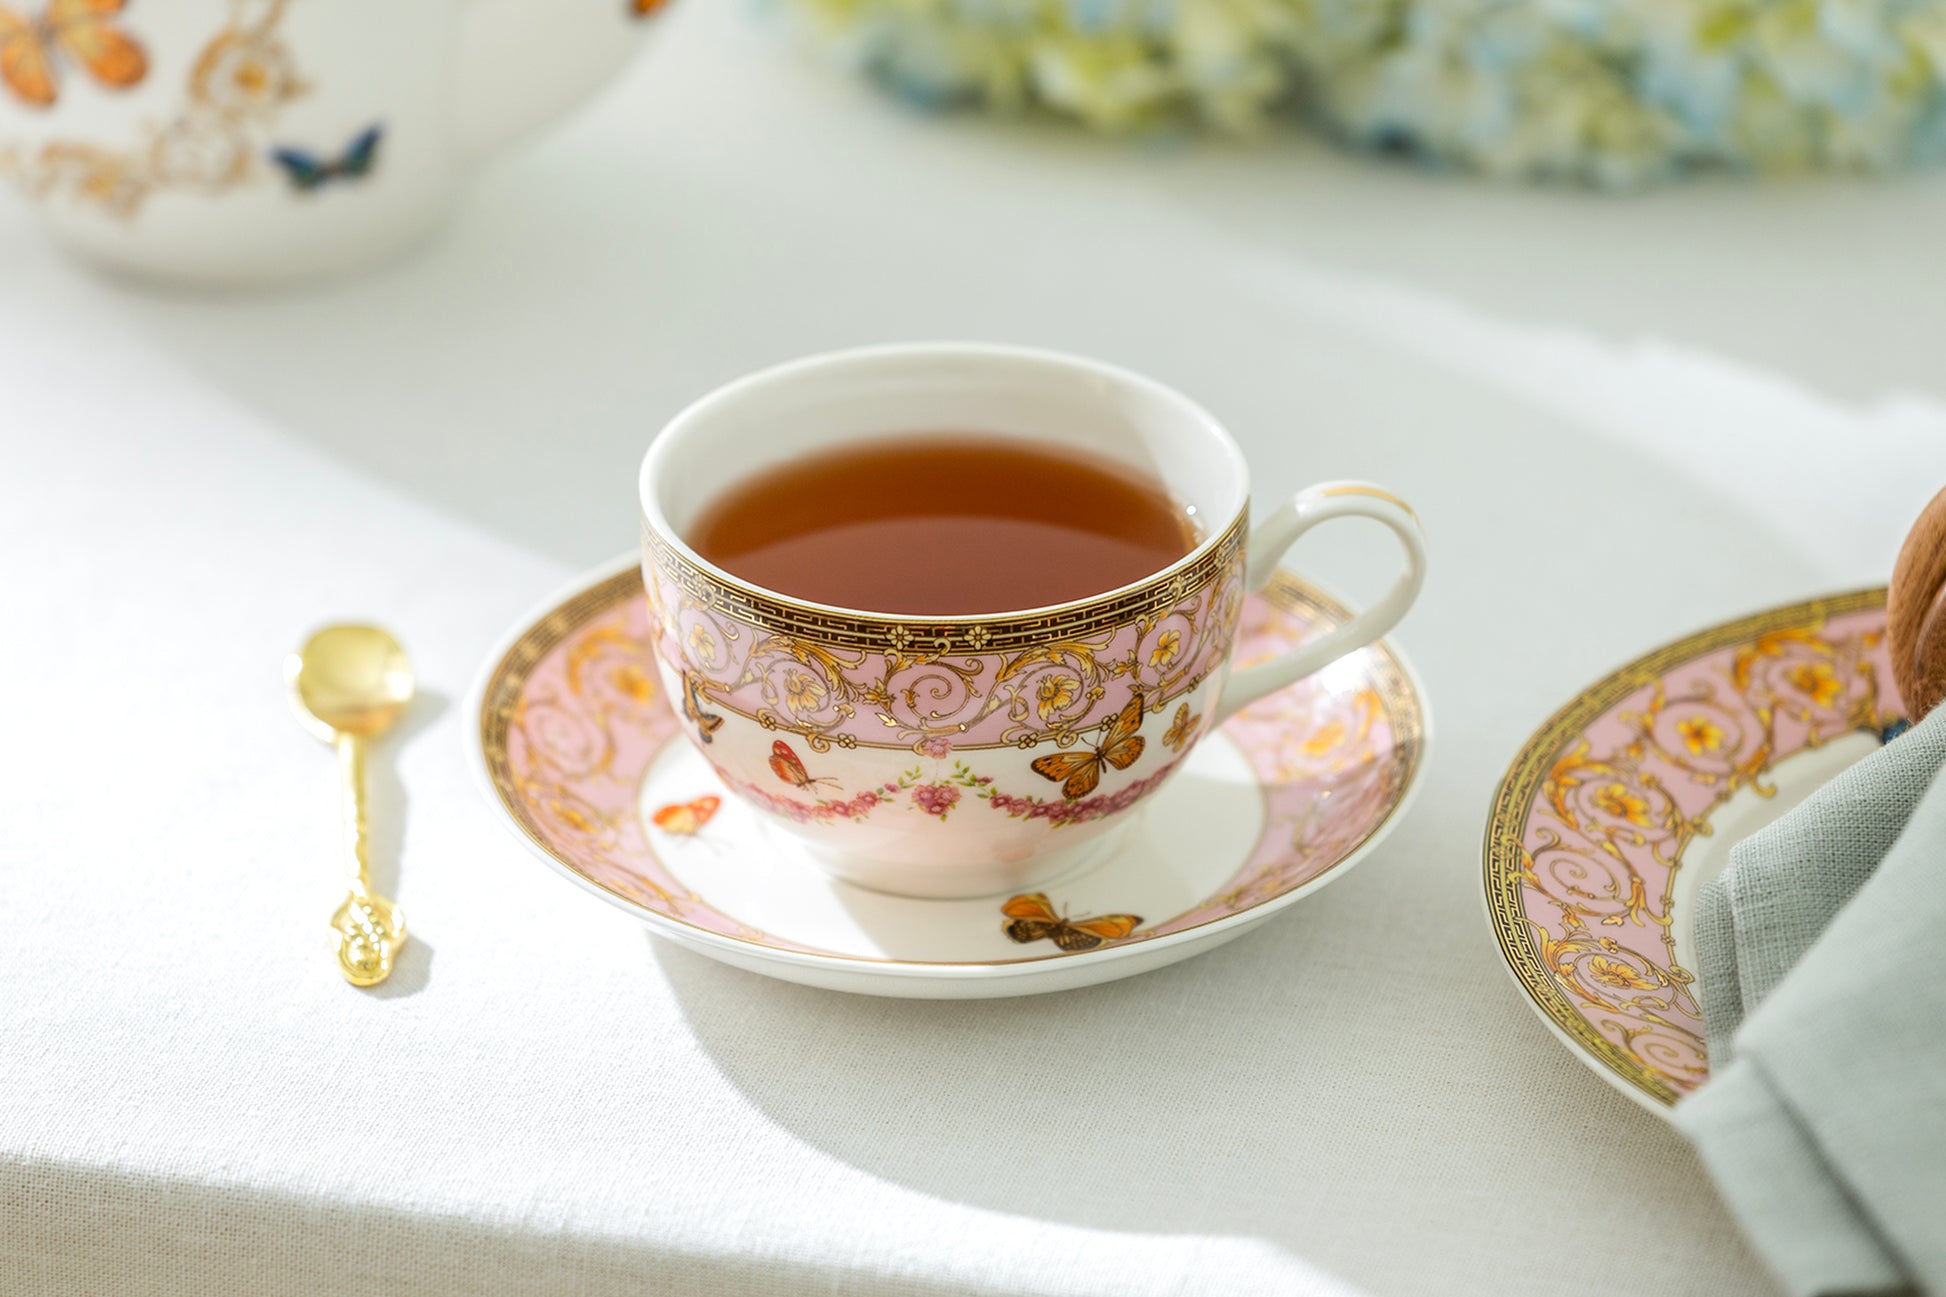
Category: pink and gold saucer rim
[1508,860]
[493,703]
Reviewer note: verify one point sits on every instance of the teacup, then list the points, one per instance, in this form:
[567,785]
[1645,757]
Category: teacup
[909,750]
[243,141]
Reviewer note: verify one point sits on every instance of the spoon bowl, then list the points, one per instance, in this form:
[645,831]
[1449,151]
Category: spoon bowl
[349,680]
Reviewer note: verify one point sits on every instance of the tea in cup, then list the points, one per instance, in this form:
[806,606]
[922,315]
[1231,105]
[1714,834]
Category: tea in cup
[952,613]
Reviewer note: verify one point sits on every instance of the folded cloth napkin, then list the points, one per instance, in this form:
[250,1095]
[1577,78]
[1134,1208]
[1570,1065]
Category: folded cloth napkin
[1820,951]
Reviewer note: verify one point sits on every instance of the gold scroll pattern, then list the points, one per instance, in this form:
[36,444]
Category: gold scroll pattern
[1592,821]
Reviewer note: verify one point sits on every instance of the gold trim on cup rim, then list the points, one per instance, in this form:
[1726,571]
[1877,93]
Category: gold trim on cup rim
[1370,492]
[868,632]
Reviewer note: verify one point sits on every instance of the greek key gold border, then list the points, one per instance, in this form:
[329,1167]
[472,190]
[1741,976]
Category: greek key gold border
[944,635]
[1404,712]
[1520,788]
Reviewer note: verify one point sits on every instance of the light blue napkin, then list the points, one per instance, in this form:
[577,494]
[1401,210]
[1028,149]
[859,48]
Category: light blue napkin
[1822,953]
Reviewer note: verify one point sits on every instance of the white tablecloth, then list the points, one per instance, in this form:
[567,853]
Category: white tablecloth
[1621,419]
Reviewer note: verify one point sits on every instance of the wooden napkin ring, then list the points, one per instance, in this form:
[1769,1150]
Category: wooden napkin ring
[1915,612]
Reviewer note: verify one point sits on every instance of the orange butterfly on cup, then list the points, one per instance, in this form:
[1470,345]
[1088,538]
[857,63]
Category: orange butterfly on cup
[1119,747]
[707,723]
[686,819]
[786,766]
[643,8]
[1032,918]
[82,31]
[1182,727]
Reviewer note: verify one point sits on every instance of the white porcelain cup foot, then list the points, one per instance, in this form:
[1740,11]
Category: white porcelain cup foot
[959,882]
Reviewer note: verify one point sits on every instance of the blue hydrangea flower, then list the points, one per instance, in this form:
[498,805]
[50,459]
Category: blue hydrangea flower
[1608,92]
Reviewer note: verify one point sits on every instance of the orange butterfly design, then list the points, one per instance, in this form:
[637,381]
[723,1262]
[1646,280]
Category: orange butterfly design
[1182,727]
[686,818]
[1032,918]
[786,766]
[1119,747]
[643,8]
[707,723]
[81,30]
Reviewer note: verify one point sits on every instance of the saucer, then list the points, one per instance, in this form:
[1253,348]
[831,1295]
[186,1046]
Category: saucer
[581,756]
[1629,799]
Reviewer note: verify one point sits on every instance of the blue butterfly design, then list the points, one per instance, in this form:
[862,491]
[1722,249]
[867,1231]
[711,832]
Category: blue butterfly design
[308,173]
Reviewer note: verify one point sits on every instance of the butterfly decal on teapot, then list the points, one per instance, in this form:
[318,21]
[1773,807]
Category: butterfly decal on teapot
[107,106]
[308,173]
[209,144]
[77,34]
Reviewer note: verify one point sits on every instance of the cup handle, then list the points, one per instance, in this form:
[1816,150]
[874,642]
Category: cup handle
[1273,537]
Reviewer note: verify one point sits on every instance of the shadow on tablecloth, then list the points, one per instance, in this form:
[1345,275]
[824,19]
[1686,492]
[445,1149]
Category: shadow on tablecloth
[1232,1095]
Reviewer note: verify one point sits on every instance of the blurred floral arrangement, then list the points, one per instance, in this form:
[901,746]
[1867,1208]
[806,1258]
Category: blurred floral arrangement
[1611,92]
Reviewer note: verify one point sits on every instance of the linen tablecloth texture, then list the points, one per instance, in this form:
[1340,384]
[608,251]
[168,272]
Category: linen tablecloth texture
[1824,1120]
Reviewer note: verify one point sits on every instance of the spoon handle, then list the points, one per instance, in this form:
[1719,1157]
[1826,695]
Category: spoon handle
[351,766]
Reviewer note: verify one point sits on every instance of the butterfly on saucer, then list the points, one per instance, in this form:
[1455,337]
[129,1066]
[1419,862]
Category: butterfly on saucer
[1032,918]
[309,173]
[707,723]
[1079,773]
[785,765]
[82,32]
[686,819]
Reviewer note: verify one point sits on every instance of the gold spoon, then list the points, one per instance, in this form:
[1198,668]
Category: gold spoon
[348,685]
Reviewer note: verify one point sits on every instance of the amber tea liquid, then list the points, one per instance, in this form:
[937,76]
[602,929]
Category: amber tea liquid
[944,524]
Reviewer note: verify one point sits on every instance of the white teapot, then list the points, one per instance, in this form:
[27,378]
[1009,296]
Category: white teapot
[250,141]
